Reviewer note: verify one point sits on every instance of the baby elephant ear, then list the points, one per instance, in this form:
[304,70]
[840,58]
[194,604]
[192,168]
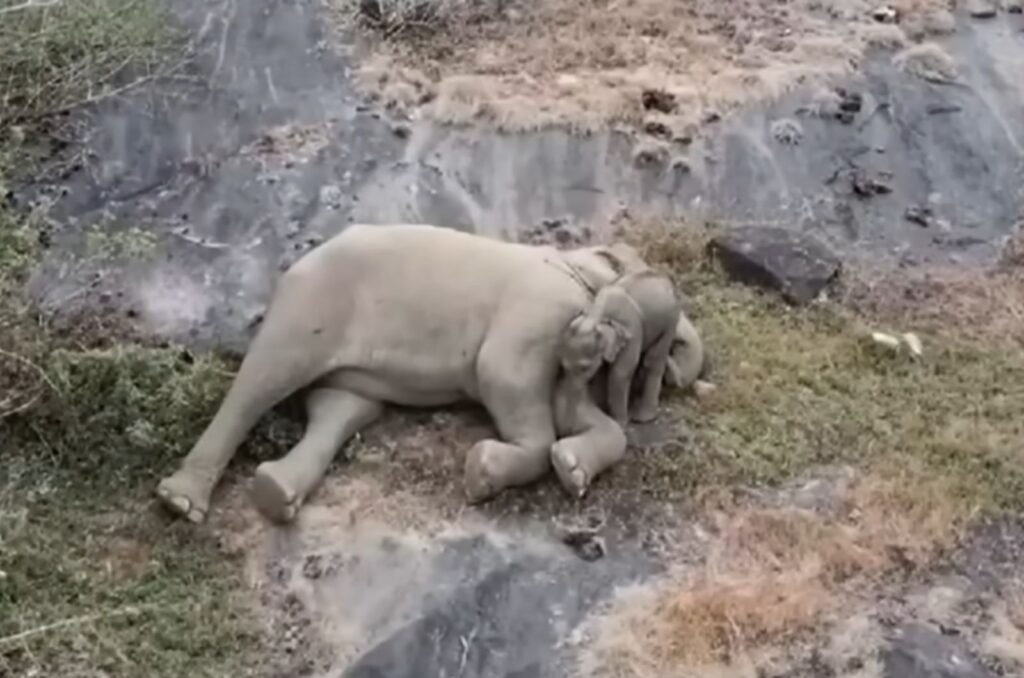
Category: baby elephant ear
[614,338]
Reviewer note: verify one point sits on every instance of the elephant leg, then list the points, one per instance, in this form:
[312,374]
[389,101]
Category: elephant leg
[280,487]
[279,363]
[581,458]
[620,378]
[517,393]
[655,362]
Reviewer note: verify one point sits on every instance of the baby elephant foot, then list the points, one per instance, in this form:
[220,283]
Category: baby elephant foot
[185,494]
[645,414]
[479,479]
[274,496]
[572,476]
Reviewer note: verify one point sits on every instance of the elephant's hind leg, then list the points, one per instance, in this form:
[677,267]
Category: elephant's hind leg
[517,393]
[655,362]
[281,486]
[271,371]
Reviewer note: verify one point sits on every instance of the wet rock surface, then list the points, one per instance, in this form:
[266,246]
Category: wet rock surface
[794,264]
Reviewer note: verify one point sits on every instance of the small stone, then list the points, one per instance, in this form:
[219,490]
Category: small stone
[704,389]
[787,131]
[795,264]
[918,215]
[681,165]
[981,9]
[850,102]
[313,568]
[866,186]
[658,100]
[886,15]
[401,131]
[656,128]
[648,155]
[585,543]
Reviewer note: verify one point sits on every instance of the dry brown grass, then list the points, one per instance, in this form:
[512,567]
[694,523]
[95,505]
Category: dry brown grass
[979,305]
[583,65]
[774,575]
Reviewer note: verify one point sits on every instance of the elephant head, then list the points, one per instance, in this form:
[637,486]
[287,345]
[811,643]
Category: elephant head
[588,342]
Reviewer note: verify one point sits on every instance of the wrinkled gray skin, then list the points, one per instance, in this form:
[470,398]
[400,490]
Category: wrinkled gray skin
[413,315]
[589,441]
[637,318]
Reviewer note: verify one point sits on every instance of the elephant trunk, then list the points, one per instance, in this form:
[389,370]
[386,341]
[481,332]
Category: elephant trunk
[688,359]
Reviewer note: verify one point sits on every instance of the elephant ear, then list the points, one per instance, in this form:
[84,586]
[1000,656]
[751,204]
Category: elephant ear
[614,338]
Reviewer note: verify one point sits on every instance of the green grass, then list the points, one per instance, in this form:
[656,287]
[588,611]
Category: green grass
[93,580]
[799,387]
[59,57]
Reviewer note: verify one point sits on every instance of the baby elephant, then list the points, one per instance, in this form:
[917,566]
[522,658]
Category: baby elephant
[589,441]
[642,311]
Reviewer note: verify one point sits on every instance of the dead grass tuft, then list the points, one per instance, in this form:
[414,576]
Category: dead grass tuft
[583,66]
[928,61]
[773,575]
[971,304]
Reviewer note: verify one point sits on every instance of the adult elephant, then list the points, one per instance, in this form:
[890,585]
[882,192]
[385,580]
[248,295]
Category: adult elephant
[413,315]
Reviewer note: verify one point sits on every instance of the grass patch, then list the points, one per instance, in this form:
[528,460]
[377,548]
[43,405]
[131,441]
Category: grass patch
[92,581]
[66,54]
[799,387]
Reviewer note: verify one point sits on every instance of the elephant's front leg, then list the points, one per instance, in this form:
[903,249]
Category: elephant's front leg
[655,362]
[517,393]
[620,378]
[281,486]
[580,458]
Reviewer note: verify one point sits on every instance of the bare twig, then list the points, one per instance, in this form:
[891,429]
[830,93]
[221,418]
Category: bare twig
[25,361]
[130,611]
[30,4]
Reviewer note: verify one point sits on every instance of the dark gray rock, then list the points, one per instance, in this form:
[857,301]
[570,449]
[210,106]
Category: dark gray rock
[919,652]
[795,264]
[509,617]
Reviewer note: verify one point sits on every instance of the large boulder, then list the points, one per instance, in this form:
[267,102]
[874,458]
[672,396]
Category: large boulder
[795,264]
[917,651]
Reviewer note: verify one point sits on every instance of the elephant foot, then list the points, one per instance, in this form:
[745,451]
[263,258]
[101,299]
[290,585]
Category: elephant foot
[478,480]
[644,414]
[185,494]
[273,495]
[567,467]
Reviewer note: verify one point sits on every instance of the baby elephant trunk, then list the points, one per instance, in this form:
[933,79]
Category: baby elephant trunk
[688,361]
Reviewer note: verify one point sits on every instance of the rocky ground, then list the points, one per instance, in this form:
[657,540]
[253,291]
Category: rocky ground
[830,503]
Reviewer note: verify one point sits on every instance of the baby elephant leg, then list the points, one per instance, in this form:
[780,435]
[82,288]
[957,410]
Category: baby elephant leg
[281,486]
[581,458]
